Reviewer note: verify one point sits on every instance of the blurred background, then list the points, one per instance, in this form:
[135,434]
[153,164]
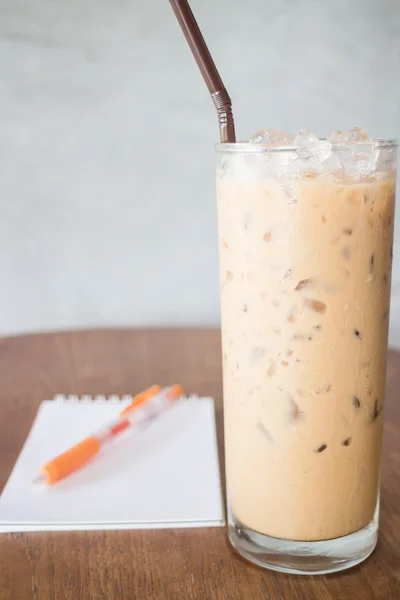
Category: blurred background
[107,186]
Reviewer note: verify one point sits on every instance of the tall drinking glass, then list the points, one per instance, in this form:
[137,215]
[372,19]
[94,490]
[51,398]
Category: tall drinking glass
[306,246]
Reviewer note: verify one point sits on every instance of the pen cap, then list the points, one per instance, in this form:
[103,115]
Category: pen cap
[142,397]
[174,392]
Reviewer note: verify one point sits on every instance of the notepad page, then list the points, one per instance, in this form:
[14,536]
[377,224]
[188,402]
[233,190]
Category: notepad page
[164,476]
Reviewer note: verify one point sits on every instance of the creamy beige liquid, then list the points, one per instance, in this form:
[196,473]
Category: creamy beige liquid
[305,288]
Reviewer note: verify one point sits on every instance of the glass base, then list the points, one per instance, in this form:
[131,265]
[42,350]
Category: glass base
[304,558]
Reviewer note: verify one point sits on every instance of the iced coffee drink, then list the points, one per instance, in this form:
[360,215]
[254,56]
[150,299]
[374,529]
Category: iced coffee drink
[306,247]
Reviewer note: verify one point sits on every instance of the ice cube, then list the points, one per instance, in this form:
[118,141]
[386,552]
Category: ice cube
[356,152]
[337,137]
[352,136]
[323,151]
[383,158]
[362,162]
[356,134]
[271,137]
[305,138]
[332,163]
[311,151]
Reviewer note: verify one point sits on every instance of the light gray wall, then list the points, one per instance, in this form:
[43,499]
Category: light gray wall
[107,209]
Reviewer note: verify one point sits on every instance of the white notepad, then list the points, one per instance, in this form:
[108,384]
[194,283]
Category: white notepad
[164,476]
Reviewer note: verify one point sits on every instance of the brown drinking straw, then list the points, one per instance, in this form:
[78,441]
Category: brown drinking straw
[208,69]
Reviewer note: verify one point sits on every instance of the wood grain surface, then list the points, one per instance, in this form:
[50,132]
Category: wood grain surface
[159,564]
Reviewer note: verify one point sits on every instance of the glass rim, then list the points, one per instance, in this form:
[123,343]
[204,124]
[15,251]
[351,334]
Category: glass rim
[244,147]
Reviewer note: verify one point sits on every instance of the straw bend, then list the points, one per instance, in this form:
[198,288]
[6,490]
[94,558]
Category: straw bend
[223,104]
[207,67]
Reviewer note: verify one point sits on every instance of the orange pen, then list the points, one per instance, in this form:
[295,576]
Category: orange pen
[144,407]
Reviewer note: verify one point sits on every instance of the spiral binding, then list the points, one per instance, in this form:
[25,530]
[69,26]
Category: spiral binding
[100,399]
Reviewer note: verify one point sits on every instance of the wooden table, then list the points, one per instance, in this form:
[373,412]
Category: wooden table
[170,564]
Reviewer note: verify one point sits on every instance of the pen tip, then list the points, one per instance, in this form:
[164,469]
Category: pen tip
[40,478]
